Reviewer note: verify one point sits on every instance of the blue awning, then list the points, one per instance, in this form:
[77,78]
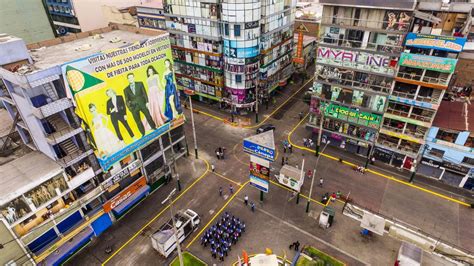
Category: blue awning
[126,204]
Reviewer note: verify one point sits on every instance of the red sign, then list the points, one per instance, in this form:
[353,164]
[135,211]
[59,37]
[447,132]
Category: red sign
[259,171]
[299,49]
[124,194]
[188,92]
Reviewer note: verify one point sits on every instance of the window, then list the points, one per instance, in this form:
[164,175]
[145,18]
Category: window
[238,78]
[237,30]
[448,136]
[468,160]
[226,29]
[436,152]
[469,142]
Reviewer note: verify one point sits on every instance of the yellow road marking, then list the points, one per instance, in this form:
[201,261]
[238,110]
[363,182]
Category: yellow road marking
[266,118]
[375,172]
[217,214]
[226,178]
[158,215]
[302,195]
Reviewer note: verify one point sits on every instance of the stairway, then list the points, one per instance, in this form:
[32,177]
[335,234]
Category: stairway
[50,91]
[69,147]
[57,122]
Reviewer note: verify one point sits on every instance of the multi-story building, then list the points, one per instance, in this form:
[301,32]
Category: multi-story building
[28,21]
[432,46]
[227,51]
[150,15]
[358,51]
[73,16]
[449,153]
[55,199]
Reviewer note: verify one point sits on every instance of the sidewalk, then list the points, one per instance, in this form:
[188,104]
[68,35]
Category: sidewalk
[402,174]
[281,96]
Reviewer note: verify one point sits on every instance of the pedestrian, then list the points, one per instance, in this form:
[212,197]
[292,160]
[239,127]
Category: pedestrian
[222,153]
[220,191]
[301,115]
[284,148]
[246,200]
[290,148]
[305,142]
[213,168]
[338,194]
[373,160]
[213,252]
[221,256]
[231,189]
[282,160]
[252,206]
[321,180]
[218,154]
[297,245]
[309,173]
[291,245]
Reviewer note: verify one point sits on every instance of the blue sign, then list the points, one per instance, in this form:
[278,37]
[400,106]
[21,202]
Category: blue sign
[259,183]
[413,102]
[259,151]
[445,43]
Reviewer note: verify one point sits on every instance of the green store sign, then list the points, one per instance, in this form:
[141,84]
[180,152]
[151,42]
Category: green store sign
[351,115]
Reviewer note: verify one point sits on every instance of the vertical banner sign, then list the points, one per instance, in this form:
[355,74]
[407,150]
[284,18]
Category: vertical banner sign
[259,173]
[125,97]
[261,148]
[299,59]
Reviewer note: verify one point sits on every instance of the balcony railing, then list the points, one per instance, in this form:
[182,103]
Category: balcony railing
[74,157]
[432,80]
[401,113]
[403,94]
[372,85]
[359,44]
[365,23]
[51,108]
[63,134]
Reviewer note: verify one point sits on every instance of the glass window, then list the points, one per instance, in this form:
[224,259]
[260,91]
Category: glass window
[469,142]
[226,29]
[468,160]
[436,152]
[448,136]
[237,30]
[238,78]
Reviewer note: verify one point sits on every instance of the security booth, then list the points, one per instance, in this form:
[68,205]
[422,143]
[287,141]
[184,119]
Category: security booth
[291,177]
[326,218]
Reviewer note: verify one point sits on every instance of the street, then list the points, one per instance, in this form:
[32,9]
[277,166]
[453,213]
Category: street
[278,221]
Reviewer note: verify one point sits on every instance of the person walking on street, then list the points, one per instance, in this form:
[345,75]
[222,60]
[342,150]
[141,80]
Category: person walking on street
[218,154]
[246,200]
[297,245]
[321,180]
[309,173]
[213,168]
[290,148]
[372,160]
[231,189]
[284,148]
[252,206]
[282,160]
[220,191]
[301,115]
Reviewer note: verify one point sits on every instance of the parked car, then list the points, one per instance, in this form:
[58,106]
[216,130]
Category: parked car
[265,128]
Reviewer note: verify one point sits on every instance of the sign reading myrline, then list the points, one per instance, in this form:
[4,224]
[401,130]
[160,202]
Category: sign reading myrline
[125,97]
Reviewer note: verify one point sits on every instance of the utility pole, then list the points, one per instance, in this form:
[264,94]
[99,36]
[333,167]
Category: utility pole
[194,129]
[318,144]
[256,104]
[170,204]
[314,176]
[417,163]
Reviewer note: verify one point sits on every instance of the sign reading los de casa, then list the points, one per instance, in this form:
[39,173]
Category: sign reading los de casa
[445,43]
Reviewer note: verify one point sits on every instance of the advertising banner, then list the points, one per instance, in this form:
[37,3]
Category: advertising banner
[445,43]
[355,59]
[124,194]
[352,115]
[125,97]
[440,64]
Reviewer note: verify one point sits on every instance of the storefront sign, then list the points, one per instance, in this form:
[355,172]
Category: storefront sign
[355,59]
[121,174]
[414,102]
[455,167]
[440,64]
[430,162]
[234,61]
[352,115]
[445,43]
[124,194]
[251,25]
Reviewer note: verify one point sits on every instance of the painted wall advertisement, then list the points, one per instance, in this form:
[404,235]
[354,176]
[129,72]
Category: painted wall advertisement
[355,59]
[445,43]
[351,115]
[124,194]
[231,50]
[445,65]
[125,97]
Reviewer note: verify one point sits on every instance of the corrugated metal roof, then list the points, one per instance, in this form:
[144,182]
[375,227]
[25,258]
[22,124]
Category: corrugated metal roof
[455,116]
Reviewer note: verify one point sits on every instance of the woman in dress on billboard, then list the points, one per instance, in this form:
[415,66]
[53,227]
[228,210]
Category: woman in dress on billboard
[107,142]
[155,96]
[172,104]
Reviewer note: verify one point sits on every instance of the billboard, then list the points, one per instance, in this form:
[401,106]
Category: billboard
[352,115]
[445,43]
[125,97]
[355,59]
[440,64]
[259,175]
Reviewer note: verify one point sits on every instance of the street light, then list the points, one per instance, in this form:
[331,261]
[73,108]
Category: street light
[314,175]
[190,93]
[170,203]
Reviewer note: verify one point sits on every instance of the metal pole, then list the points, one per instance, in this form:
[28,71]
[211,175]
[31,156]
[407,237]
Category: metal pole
[194,129]
[314,175]
[417,163]
[256,105]
[318,144]
[175,230]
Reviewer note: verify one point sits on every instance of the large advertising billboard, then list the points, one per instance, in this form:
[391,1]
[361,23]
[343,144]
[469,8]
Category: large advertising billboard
[354,59]
[440,64]
[125,97]
[445,43]
[352,115]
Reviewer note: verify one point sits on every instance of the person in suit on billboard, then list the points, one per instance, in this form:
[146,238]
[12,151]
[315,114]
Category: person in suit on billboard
[117,111]
[137,102]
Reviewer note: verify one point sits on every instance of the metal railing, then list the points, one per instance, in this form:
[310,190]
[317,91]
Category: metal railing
[356,84]
[365,23]
[359,44]
[403,94]
[414,76]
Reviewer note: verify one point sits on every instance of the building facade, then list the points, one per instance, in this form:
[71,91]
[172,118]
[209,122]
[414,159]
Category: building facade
[226,51]
[358,50]
[28,21]
[151,16]
[76,199]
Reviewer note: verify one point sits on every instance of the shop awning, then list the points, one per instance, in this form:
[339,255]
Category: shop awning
[126,204]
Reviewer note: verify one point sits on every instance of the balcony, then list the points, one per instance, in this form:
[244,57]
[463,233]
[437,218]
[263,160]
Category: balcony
[51,108]
[364,23]
[81,177]
[393,113]
[443,81]
[384,48]
[63,134]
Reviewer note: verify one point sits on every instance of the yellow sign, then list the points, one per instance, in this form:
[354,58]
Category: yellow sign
[125,97]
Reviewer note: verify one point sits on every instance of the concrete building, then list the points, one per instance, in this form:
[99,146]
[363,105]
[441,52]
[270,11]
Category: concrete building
[73,16]
[358,50]
[449,153]
[55,199]
[27,20]
[151,15]
[227,52]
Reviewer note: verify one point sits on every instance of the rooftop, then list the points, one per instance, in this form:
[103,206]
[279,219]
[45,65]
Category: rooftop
[21,175]
[457,116]
[55,52]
